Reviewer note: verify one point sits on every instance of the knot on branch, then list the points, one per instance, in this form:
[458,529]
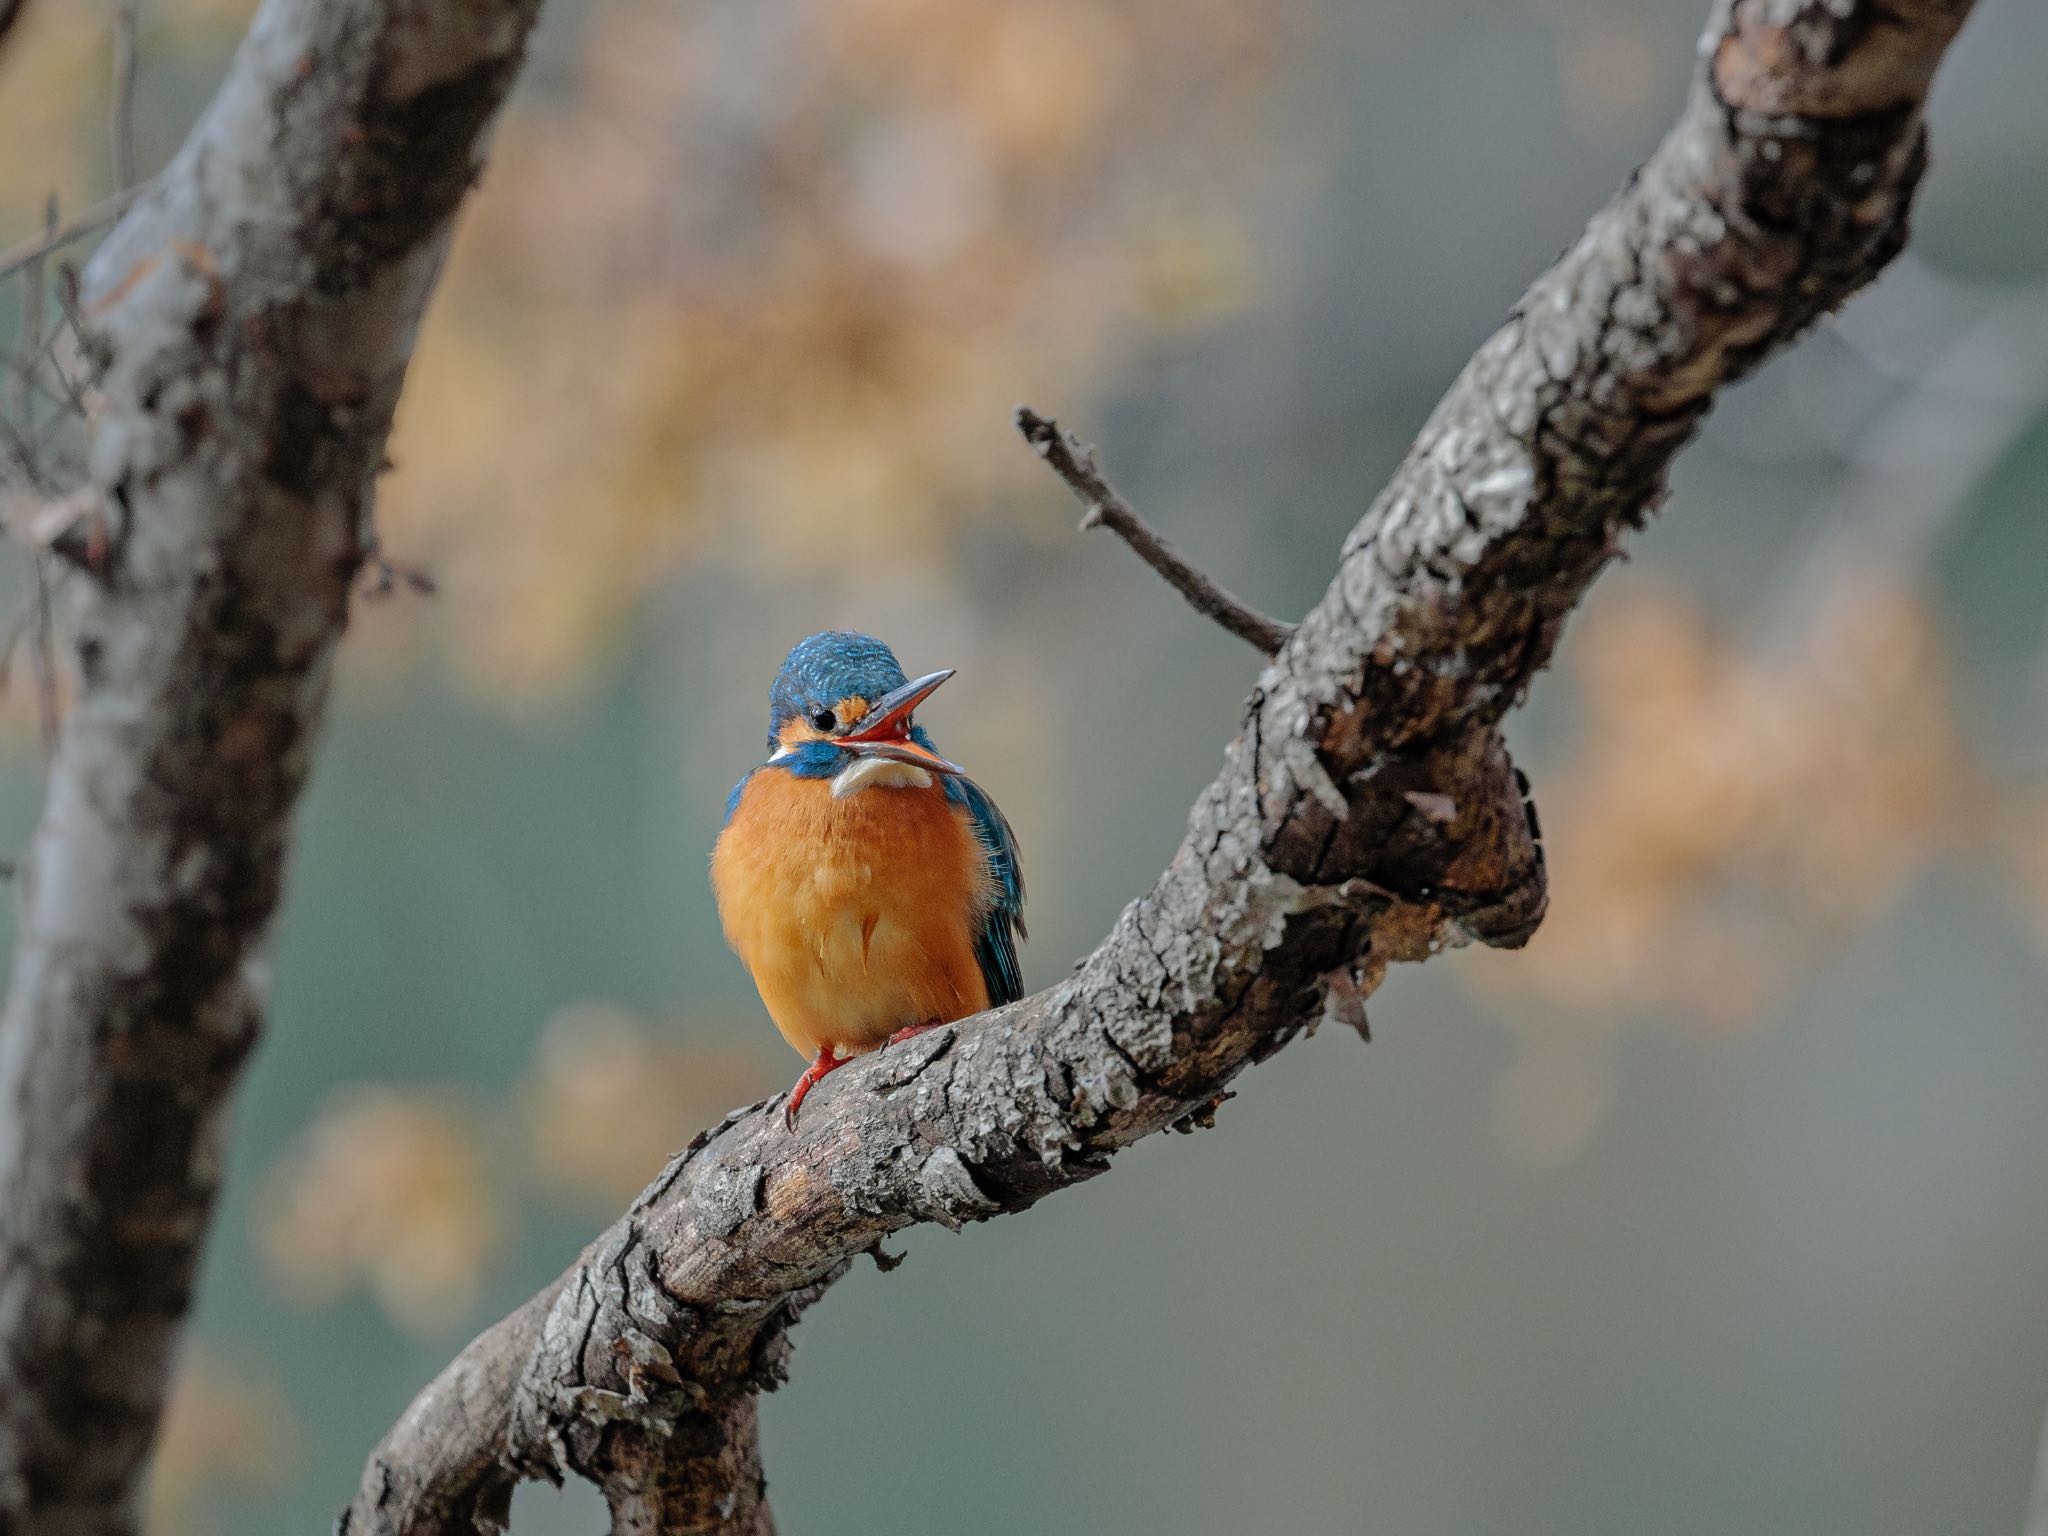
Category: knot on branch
[1447,836]
[1832,62]
[606,1355]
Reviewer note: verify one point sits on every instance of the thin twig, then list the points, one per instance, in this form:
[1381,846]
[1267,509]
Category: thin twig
[122,129]
[22,452]
[94,219]
[26,372]
[42,655]
[29,336]
[27,376]
[383,576]
[1074,462]
[92,346]
[42,641]
[12,632]
[74,396]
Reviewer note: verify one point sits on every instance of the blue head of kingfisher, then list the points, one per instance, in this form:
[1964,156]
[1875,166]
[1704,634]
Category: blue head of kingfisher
[868,884]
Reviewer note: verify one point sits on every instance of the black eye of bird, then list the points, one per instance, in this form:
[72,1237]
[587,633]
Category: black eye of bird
[825,720]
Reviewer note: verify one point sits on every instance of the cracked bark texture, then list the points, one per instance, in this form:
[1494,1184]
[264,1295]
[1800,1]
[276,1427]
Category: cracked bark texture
[1367,812]
[256,310]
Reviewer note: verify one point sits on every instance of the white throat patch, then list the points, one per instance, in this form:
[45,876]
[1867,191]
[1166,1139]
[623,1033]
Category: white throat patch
[878,773]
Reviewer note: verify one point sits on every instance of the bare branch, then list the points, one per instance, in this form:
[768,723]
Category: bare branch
[1366,814]
[384,575]
[1074,462]
[90,222]
[252,318]
[28,453]
[42,658]
[121,127]
[27,353]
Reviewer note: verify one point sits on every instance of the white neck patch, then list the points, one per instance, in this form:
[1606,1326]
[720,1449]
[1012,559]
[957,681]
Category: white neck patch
[878,773]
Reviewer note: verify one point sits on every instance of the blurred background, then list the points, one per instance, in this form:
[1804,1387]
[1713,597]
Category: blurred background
[1724,1208]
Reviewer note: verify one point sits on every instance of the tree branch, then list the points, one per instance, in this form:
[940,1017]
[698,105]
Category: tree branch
[1103,507]
[94,219]
[255,311]
[121,118]
[1367,812]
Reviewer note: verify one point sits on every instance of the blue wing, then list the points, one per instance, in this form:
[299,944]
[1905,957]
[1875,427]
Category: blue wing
[996,945]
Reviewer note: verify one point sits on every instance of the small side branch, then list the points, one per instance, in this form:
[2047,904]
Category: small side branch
[1074,462]
[90,222]
[1366,813]
[121,125]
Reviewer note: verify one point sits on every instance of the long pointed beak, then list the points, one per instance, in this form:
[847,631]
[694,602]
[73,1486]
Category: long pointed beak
[886,730]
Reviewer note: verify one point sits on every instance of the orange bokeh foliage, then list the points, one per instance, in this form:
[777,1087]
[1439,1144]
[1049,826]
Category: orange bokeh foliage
[224,1429]
[406,1192]
[1730,812]
[760,285]
[762,290]
[391,1189]
[1728,808]
[608,1100]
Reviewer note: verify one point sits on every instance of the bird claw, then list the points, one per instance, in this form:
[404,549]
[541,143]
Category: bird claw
[829,1060]
[826,1060]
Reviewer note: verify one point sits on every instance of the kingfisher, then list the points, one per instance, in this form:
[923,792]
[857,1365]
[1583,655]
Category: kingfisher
[870,887]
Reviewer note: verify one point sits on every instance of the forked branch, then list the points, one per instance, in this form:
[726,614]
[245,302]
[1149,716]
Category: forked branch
[1367,813]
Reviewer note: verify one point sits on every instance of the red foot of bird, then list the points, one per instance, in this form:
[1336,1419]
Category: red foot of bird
[825,1061]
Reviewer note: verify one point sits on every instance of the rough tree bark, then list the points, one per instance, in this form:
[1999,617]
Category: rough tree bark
[1367,813]
[256,311]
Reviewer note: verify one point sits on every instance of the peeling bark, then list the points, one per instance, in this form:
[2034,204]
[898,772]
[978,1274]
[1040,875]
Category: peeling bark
[1367,813]
[256,309]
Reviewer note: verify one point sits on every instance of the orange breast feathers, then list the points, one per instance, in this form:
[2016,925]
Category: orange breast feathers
[857,916]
